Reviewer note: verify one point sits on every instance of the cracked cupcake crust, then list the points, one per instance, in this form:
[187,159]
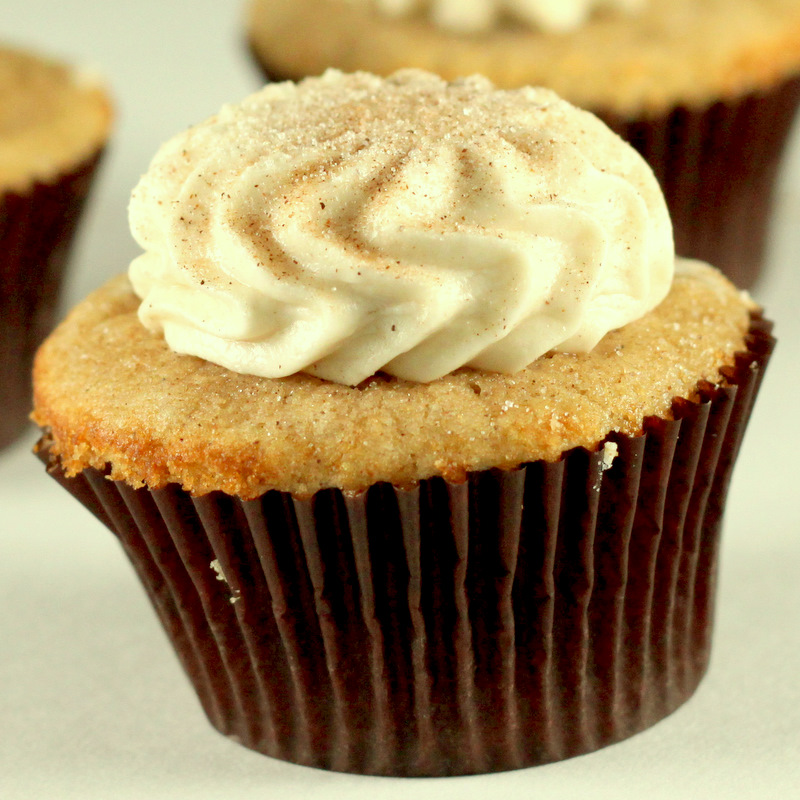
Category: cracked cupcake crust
[111,393]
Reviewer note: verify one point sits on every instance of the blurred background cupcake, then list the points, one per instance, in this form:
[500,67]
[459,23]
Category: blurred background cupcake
[706,90]
[54,122]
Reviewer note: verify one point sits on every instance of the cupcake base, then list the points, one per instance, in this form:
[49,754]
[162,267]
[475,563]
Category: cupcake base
[517,618]
[36,230]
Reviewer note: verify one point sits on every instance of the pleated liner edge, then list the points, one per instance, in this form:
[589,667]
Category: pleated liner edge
[514,619]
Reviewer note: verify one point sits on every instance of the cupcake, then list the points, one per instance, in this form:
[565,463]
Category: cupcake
[414,429]
[706,90]
[54,122]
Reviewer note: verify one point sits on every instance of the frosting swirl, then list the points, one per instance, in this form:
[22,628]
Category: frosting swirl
[470,16]
[350,224]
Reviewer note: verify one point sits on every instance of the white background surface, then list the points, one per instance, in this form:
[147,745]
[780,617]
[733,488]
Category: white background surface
[92,702]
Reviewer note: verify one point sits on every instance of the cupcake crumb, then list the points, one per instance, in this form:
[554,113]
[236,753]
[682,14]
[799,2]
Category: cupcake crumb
[610,452]
[217,567]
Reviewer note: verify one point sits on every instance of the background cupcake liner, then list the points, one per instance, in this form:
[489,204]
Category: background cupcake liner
[36,230]
[717,167]
[517,618]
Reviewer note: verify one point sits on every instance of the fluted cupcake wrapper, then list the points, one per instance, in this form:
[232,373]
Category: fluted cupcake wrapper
[37,228]
[520,617]
[717,166]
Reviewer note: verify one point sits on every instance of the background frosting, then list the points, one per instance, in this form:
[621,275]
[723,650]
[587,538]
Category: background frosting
[476,15]
[350,224]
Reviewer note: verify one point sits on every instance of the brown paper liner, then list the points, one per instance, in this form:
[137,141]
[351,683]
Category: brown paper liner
[718,167]
[37,228]
[514,619]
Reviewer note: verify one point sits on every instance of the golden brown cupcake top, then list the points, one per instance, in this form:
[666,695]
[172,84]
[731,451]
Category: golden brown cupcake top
[112,393]
[52,118]
[673,52]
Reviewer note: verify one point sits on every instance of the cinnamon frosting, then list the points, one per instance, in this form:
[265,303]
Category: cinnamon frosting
[351,224]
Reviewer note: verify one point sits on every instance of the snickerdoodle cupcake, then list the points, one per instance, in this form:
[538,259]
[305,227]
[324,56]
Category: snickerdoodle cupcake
[54,122]
[706,90]
[414,429]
